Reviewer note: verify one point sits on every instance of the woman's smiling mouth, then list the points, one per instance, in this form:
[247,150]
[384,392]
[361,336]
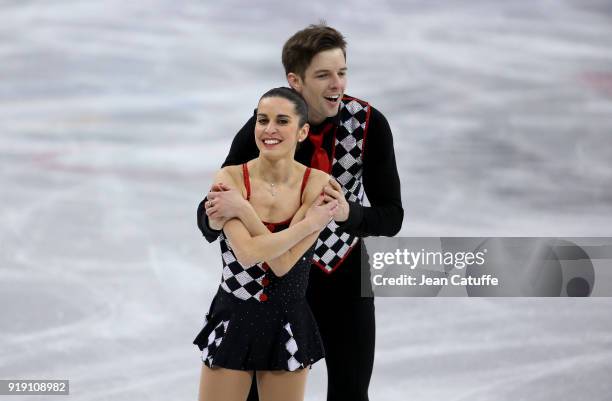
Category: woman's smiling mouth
[271,141]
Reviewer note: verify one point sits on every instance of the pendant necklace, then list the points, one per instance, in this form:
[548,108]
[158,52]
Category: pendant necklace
[272,189]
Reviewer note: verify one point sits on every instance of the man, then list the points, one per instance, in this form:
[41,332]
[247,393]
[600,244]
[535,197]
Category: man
[352,141]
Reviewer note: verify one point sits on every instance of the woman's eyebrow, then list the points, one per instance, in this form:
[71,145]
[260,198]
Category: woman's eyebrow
[278,115]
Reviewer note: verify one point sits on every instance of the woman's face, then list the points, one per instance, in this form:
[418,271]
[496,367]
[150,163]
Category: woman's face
[277,129]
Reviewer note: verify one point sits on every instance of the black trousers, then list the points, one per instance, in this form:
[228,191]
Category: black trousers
[348,333]
[347,325]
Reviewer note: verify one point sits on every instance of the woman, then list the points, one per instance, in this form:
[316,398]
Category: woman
[259,322]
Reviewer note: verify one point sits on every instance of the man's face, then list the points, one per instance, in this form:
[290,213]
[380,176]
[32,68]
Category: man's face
[323,84]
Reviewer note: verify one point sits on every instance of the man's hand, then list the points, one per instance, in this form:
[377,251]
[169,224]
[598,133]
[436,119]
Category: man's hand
[333,192]
[320,213]
[223,203]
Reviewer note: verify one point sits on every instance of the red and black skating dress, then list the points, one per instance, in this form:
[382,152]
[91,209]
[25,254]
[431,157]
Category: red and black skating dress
[257,320]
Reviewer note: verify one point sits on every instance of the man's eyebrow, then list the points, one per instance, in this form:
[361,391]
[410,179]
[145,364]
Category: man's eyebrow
[326,70]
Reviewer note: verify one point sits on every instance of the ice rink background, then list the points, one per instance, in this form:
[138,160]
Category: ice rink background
[114,116]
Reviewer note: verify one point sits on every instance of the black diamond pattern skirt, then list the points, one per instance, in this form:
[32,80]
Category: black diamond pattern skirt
[279,334]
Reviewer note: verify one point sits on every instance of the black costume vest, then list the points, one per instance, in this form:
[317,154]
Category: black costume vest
[334,245]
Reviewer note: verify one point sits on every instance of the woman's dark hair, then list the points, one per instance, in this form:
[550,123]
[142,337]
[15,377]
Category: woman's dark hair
[301,108]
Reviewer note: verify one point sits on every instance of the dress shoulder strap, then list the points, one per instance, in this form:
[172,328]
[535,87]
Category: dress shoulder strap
[247,180]
[305,180]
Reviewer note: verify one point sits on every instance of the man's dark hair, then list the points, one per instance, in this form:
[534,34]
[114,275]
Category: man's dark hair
[300,49]
[301,108]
